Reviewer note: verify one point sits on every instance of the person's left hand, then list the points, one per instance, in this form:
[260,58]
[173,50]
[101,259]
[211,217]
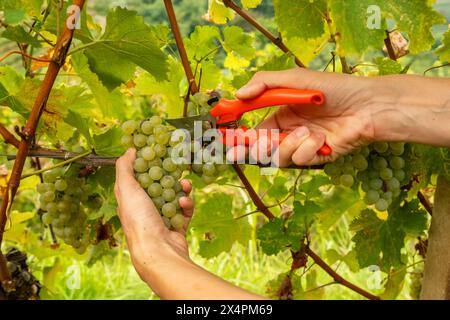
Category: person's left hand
[146,234]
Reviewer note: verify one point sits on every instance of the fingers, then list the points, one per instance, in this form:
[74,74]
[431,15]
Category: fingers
[187,186]
[306,154]
[136,211]
[283,155]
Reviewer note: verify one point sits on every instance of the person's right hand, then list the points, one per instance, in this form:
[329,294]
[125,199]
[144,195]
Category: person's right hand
[344,122]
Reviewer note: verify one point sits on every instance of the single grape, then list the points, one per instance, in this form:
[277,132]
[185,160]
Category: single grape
[159,129]
[360,162]
[60,185]
[63,206]
[144,180]
[393,184]
[379,163]
[397,148]
[155,173]
[371,197]
[52,208]
[50,176]
[163,138]
[129,126]
[126,141]
[140,165]
[155,121]
[397,163]
[348,169]
[148,153]
[160,150]
[400,175]
[48,196]
[139,140]
[177,221]
[159,202]
[167,182]
[157,162]
[386,174]
[381,147]
[47,218]
[376,184]
[169,195]
[347,180]
[381,205]
[151,140]
[221,167]
[155,190]
[169,210]
[197,168]
[387,195]
[147,127]
[166,221]
[177,186]
[209,169]
[332,169]
[169,165]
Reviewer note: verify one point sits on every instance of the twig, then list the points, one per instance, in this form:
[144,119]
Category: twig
[336,277]
[180,45]
[9,137]
[345,66]
[436,67]
[425,203]
[275,40]
[252,193]
[24,55]
[60,164]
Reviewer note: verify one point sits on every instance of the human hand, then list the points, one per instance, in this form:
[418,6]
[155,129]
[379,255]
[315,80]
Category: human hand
[344,122]
[147,236]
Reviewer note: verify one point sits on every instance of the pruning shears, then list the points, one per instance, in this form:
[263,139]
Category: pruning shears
[227,113]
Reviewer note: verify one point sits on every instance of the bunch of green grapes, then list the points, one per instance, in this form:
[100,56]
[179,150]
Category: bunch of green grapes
[155,169]
[378,168]
[209,161]
[62,195]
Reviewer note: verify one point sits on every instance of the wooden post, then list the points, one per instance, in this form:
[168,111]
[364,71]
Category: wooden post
[436,281]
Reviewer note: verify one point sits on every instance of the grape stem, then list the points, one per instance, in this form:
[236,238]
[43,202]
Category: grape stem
[57,165]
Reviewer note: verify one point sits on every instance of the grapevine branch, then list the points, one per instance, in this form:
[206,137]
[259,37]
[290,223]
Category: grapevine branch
[425,203]
[180,45]
[336,277]
[275,40]
[57,61]
[9,137]
[389,47]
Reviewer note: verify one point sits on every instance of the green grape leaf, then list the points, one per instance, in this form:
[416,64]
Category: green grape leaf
[103,177]
[211,75]
[250,4]
[416,17]
[219,13]
[236,40]
[379,242]
[82,124]
[216,226]
[202,42]
[388,66]
[169,90]
[108,143]
[277,63]
[108,209]
[18,34]
[444,51]
[303,19]
[16,11]
[394,284]
[111,104]
[351,21]
[272,237]
[278,188]
[126,42]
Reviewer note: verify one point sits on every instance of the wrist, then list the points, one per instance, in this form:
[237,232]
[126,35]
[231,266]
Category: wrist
[408,109]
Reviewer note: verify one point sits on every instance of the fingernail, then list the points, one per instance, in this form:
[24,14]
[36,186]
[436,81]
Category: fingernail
[301,132]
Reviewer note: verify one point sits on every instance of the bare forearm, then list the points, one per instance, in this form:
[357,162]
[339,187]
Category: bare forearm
[412,109]
[175,278]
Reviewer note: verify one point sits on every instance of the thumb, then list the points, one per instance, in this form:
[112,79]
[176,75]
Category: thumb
[136,211]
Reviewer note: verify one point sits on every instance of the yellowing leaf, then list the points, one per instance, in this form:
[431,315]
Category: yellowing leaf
[219,13]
